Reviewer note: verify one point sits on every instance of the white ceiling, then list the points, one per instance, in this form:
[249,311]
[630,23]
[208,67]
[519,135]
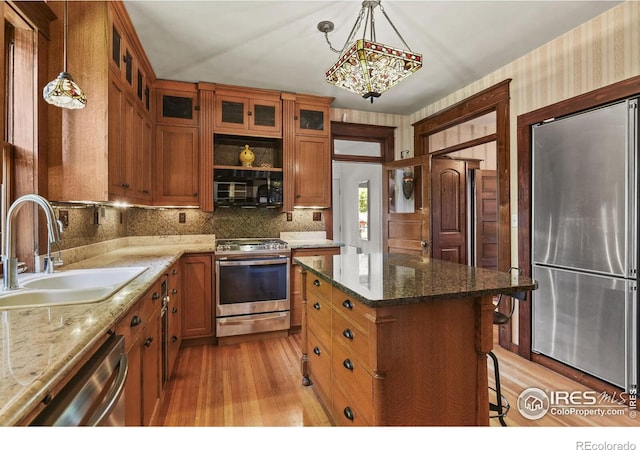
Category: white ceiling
[276,44]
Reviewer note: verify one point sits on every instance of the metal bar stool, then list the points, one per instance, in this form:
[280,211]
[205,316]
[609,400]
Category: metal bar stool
[501,406]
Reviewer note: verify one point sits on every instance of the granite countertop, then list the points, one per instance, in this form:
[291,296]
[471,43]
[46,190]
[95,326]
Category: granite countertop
[308,239]
[40,345]
[381,279]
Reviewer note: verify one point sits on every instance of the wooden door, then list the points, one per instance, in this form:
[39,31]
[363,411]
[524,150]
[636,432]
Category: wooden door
[486,214]
[406,209]
[312,173]
[449,209]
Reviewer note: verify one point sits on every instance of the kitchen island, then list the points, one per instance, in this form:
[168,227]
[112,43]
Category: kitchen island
[392,340]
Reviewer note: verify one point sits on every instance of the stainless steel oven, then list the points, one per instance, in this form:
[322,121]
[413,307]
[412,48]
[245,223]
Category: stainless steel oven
[252,286]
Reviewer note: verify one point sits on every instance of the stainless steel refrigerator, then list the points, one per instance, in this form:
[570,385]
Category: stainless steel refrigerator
[585,241]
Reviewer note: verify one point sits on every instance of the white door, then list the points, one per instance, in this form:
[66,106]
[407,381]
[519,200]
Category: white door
[348,178]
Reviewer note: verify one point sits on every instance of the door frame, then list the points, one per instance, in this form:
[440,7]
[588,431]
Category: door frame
[588,100]
[495,98]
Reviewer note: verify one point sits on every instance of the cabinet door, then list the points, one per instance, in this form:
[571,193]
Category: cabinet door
[133,387]
[151,347]
[312,119]
[247,115]
[312,177]
[121,142]
[197,296]
[177,107]
[177,166]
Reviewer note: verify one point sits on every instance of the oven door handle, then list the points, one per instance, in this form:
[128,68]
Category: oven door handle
[252,262]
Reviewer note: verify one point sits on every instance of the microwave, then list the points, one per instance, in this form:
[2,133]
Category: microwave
[229,191]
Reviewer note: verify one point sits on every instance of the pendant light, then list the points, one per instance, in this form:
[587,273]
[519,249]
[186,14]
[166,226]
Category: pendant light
[367,67]
[63,92]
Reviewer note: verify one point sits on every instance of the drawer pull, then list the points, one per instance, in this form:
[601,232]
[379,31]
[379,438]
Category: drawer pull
[348,413]
[347,364]
[174,339]
[316,282]
[316,305]
[148,342]
[348,334]
[347,304]
[316,351]
[135,321]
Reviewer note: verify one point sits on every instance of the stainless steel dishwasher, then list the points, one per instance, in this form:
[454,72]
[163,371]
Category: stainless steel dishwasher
[95,395]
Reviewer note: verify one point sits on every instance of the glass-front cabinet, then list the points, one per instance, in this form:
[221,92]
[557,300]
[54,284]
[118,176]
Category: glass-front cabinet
[257,115]
[312,119]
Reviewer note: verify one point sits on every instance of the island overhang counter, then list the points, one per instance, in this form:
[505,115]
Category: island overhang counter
[400,340]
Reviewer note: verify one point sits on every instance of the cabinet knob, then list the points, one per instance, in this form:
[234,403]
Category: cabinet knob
[347,304]
[135,321]
[316,305]
[348,334]
[348,413]
[148,342]
[347,364]
[145,191]
[195,194]
[316,351]
[125,185]
[316,282]
[174,310]
[174,291]
[174,272]
[155,296]
[174,339]
[249,113]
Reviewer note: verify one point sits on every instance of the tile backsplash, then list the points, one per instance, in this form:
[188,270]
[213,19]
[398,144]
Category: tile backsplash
[84,228]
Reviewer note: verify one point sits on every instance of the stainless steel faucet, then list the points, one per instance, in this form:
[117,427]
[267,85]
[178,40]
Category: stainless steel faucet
[10,262]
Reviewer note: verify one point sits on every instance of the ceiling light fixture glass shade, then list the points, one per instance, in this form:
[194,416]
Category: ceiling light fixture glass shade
[63,92]
[366,67]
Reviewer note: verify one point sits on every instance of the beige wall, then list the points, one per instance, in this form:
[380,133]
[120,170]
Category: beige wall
[598,53]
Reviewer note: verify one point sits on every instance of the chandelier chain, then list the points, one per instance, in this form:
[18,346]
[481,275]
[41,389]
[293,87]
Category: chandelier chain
[394,27]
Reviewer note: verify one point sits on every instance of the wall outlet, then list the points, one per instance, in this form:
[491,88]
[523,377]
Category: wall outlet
[182,217]
[63,217]
[514,220]
[317,216]
[289,216]
[100,215]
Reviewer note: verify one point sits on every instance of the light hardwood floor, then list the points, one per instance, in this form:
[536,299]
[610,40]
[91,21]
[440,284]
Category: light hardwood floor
[259,384]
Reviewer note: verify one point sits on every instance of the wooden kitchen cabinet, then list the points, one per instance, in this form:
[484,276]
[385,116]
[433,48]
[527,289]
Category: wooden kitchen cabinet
[177,166]
[94,156]
[197,295]
[312,172]
[141,329]
[296,288]
[248,112]
[177,103]
[312,152]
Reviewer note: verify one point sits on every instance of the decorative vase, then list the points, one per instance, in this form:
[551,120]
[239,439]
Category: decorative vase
[247,157]
[407,186]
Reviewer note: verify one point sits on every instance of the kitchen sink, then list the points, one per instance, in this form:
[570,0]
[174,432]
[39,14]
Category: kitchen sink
[84,278]
[69,287]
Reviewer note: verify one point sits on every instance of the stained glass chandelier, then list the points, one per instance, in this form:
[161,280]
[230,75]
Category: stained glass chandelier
[63,92]
[367,67]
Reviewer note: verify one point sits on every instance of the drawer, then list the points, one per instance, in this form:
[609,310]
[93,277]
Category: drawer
[347,412]
[317,286]
[350,308]
[354,378]
[132,324]
[319,318]
[352,337]
[151,301]
[319,364]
